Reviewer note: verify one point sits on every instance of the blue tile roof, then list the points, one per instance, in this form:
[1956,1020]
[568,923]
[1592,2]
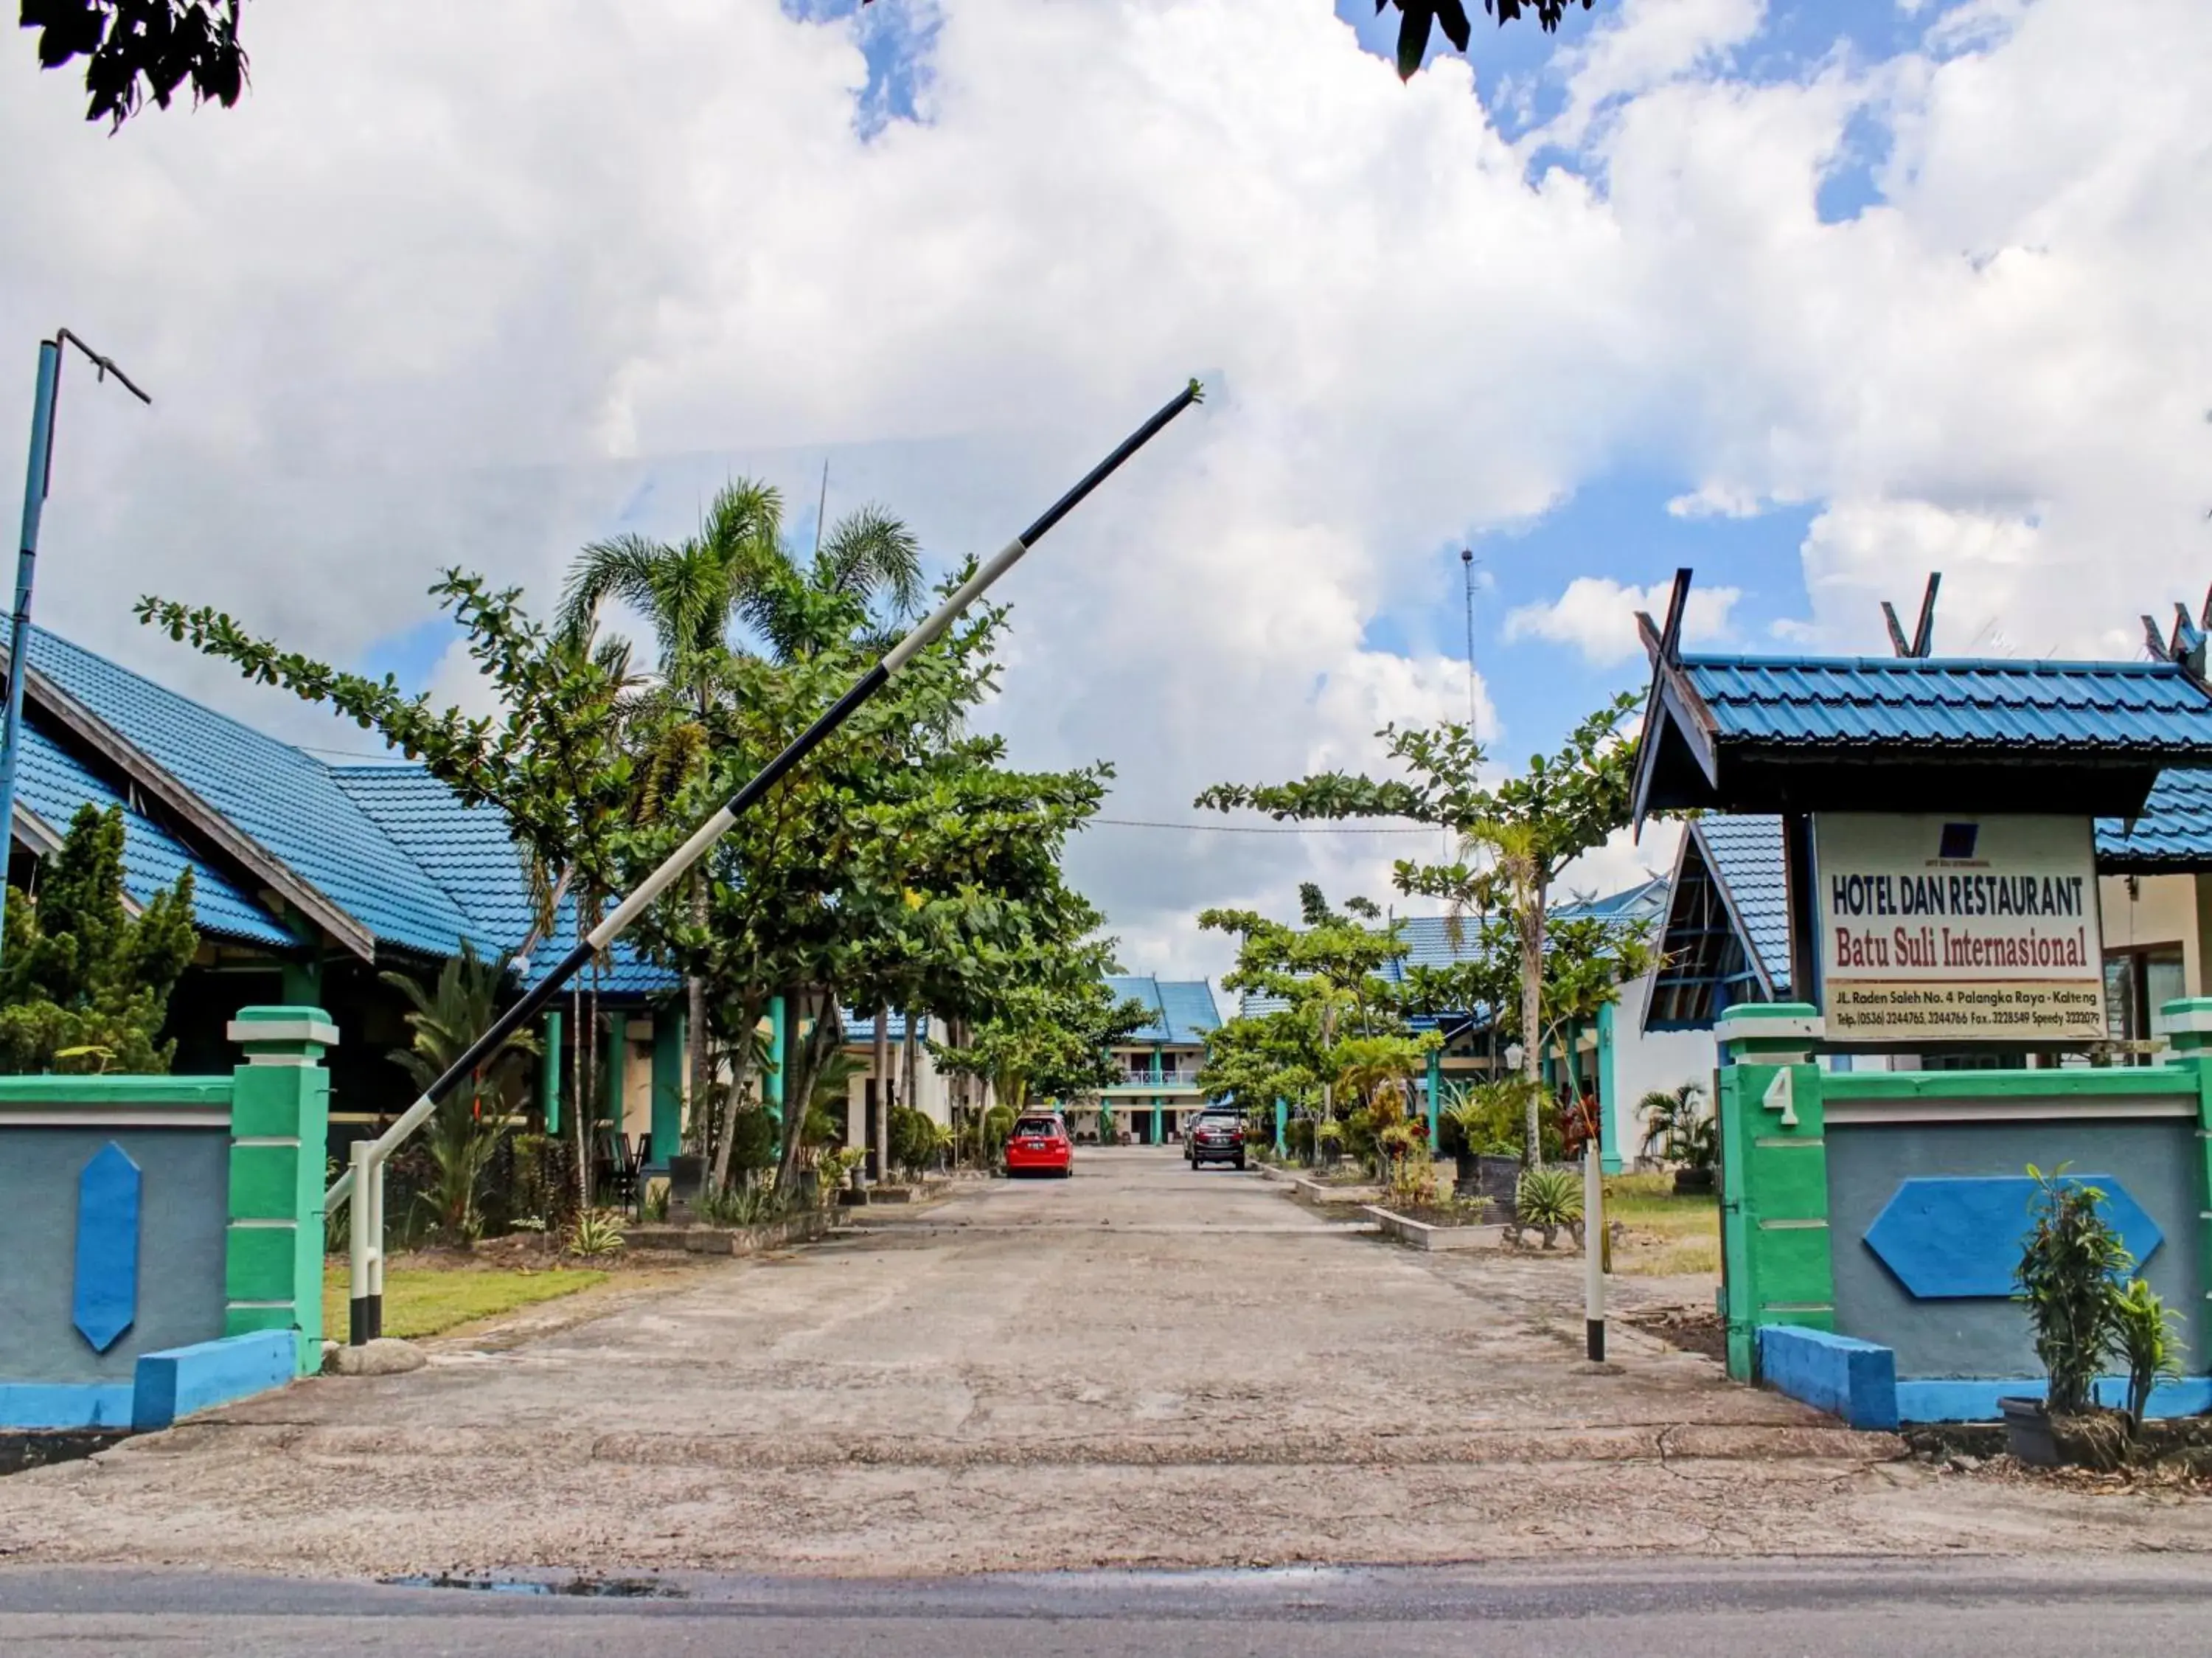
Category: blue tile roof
[2137,707]
[1184,1009]
[468,852]
[1744,855]
[285,798]
[2173,832]
[50,781]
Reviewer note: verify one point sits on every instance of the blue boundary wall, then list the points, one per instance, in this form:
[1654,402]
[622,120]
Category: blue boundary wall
[163,1235]
[1871,1221]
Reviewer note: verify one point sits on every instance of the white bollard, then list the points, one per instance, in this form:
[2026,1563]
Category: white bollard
[1593,1254]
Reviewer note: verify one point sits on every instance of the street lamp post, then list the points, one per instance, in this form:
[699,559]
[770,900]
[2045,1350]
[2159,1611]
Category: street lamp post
[36,481]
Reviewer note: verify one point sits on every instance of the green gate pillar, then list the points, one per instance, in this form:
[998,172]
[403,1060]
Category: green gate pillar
[1282,1127]
[279,1135]
[1609,1092]
[1153,1137]
[549,1074]
[668,1031]
[772,1079]
[1435,1098]
[1775,1262]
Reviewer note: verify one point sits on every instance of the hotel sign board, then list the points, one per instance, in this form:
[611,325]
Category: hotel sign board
[1937,927]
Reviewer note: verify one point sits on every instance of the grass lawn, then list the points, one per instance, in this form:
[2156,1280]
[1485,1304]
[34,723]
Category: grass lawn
[1666,1234]
[424,1301]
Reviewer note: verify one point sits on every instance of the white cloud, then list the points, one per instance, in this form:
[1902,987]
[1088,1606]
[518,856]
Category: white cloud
[469,291]
[1597,616]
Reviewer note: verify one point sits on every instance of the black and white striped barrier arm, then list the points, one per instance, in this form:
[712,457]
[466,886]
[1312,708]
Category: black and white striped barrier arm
[362,1182]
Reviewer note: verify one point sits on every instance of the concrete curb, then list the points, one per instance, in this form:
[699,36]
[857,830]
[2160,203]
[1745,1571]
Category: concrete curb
[804,1227]
[1420,1234]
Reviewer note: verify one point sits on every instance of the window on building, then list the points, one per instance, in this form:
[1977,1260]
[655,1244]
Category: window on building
[2137,983]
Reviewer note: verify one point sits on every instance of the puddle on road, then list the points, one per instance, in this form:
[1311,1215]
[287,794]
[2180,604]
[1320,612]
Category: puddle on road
[587,1588]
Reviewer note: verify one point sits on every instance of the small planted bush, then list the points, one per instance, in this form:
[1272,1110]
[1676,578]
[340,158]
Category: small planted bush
[1548,1199]
[2145,1329]
[2070,1269]
[595,1234]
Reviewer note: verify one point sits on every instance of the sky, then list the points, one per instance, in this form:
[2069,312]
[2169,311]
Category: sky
[1812,297]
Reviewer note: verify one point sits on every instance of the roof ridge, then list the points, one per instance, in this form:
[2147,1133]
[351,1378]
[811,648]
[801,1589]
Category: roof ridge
[1919,665]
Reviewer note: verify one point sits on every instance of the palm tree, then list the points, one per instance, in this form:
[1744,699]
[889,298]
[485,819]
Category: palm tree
[737,569]
[469,1122]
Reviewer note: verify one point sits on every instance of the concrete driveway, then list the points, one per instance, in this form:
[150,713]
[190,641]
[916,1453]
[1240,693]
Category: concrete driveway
[1142,1365]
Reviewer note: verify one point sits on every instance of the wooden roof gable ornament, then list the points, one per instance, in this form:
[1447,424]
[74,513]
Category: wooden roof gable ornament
[1914,732]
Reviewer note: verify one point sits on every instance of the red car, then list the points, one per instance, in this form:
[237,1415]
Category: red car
[1040,1145]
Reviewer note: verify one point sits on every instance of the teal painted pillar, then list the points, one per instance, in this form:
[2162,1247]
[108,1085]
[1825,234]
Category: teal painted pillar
[279,1124]
[303,983]
[772,1079]
[549,1074]
[1153,1137]
[1436,1093]
[1608,1094]
[667,1085]
[1153,1074]
[1282,1124]
[610,1084]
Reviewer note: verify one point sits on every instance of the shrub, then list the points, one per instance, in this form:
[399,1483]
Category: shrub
[2068,1275]
[914,1139]
[1548,1199]
[596,1234]
[998,1128]
[2145,1333]
[1298,1137]
[745,1203]
[1491,1119]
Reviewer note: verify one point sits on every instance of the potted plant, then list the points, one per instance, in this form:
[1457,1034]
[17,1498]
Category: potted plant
[2069,1271]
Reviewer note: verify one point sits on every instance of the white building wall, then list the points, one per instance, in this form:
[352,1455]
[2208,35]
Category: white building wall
[1654,1061]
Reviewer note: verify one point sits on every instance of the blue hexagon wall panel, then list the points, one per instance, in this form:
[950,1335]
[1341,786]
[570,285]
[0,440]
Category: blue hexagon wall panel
[104,1302]
[1954,1238]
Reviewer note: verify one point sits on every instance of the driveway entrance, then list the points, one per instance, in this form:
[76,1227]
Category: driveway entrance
[1143,1364]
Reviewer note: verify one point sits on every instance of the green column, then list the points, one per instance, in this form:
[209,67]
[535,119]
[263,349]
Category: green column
[1282,1124]
[279,1133]
[1608,1094]
[610,1060]
[1155,1137]
[1435,1097]
[1153,1074]
[548,1074]
[1776,1264]
[772,1079]
[302,983]
[667,1085]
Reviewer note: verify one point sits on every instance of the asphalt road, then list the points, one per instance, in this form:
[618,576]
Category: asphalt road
[2079,1608]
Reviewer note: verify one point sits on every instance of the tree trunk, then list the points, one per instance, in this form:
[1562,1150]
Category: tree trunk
[910,1083]
[592,1079]
[1531,1012]
[749,1015]
[803,1067]
[695,1016]
[880,1071]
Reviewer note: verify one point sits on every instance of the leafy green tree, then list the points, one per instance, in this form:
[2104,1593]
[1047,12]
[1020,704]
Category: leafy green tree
[554,763]
[1050,1030]
[738,569]
[1337,1014]
[85,986]
[469,1122]
[1516,837]
[904,865]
